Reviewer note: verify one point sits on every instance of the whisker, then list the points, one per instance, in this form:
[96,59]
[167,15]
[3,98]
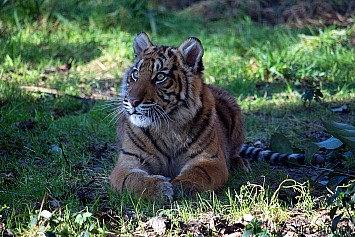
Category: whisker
[157,118]
[115,109]
[162,115]
[116,117]
[108,105]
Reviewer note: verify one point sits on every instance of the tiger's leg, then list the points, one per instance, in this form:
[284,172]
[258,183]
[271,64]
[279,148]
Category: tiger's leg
[202,173]
[130,175]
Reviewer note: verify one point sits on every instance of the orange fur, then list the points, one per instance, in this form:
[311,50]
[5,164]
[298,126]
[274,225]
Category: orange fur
[175,134]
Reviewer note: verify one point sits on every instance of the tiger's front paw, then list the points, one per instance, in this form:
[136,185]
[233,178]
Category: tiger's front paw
[186,188]
[158,188]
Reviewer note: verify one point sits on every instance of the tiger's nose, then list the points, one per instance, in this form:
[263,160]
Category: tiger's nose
[134,102]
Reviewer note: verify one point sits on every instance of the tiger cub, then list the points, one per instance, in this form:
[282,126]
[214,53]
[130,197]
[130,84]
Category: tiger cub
[175,133]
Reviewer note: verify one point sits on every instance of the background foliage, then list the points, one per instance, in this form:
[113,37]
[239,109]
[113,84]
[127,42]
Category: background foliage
[59,61]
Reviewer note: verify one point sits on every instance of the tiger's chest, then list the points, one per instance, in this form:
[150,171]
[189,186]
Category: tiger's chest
[163,152]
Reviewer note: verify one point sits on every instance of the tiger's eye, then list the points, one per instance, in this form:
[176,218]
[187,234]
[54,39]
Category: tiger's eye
[135,74]
[160,77]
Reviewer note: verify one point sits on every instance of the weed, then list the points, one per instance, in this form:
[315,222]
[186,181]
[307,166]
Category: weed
[343,201]
[313,93]
[254,229]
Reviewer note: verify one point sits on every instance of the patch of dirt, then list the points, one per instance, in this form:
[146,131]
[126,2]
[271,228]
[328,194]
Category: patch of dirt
[297,13]
[102,157]
[215,225]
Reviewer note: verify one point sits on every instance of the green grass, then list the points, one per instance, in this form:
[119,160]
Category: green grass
[64,146]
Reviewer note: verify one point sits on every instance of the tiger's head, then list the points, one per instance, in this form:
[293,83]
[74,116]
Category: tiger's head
[164,83]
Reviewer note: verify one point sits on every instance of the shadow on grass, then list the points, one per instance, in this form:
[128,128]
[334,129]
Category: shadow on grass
[129,15]
[48,137]
[35,54]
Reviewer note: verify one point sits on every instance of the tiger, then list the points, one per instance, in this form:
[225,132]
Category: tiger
[177,135]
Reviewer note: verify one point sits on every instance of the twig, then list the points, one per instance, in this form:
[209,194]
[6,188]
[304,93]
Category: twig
[52,213]
[41,89]
[103,67]
[53,198]
[44,221]
[94,96]
[39,215]
[42,203]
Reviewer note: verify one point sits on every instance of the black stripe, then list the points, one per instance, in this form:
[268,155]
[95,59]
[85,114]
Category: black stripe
[143,149]
[161,96]
[282,159]
[170,53]
[267,156]
[204,170]
[161,55]
[153,141]
[164,48]
[251,149]
[134,138]
[255,155]
[148,53]
[213,156]
[198,115]
[227,124]
[172,69]
[300,159]
[242,151]
[202,148]
[177,80]
[146,106]
[275,160]
[225,104]
[203,145]
[200,128]
[141,160]
[129,153]
[186,86]
[168,84]
[169,93]
[124,181]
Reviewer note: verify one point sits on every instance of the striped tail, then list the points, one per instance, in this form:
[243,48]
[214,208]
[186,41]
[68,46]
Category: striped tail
[274,158]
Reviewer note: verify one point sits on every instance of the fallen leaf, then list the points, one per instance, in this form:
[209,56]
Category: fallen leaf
[248,217]
[341,109]
[342,131]
[158,223]
[280,143]
[330,144]
[310,150]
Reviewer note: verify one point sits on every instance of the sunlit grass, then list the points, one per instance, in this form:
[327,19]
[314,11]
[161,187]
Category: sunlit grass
[70,151]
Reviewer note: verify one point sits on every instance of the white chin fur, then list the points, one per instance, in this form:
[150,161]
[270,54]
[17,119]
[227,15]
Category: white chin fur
[140,120]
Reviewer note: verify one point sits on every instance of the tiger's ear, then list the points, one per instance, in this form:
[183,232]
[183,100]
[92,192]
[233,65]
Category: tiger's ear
[192,51]
[141,42]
